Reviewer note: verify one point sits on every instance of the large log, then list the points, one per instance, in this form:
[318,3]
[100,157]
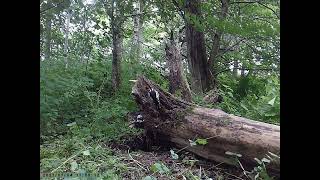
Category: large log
[177,121]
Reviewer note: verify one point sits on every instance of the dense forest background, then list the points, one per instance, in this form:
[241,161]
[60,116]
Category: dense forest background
[90,50]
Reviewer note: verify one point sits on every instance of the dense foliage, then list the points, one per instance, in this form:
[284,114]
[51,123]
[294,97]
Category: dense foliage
[79,110]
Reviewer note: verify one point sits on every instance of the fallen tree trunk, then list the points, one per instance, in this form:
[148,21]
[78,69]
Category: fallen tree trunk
[176,121]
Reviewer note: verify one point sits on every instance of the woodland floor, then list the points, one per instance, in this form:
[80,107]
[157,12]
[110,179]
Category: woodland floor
[127,151]
[188,166]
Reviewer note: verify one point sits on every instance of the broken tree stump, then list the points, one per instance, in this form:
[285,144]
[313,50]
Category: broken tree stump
[177,121]
[177,80]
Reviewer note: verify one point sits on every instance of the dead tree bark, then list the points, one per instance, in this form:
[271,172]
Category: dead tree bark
[176,121]
[178,81]
[197,55]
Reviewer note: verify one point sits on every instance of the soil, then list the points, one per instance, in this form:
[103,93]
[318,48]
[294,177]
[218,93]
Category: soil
[131,151]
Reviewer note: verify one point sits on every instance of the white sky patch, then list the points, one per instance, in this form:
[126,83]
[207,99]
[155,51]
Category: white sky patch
[86,2]
[155,9]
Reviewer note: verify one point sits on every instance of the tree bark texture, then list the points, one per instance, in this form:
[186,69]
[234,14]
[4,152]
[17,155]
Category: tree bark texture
[117,40]
[137,31]
[47,53]
[213,96]
[66,36]
[177,122]
[178,81]
[197,57]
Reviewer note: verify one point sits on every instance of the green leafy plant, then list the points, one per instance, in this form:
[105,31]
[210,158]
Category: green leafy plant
[160,168]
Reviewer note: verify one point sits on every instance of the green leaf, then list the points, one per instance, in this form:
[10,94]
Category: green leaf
[202,141]
[71,124]
[86,153]
[174,155]
[159,167]
[271,102]
[244,107]
[74,165]
[271,114]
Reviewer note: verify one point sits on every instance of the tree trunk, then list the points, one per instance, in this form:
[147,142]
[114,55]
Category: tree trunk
[177,122]
[48,38]
[235,68]
[178,82]
[84,30]
[137,31]
[66,41]
[213,96]
[116,28]
[197,57]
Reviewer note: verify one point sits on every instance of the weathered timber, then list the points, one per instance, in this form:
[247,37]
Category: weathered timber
[178,121]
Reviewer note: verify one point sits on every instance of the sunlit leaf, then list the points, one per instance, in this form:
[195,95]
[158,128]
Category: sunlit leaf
[202,141]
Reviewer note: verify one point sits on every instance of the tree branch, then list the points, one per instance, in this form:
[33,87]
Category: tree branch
[274,12]
[243,2]
[179,9]
[138,14]
[53,6]
[260,3]
[248,69]
[230,47]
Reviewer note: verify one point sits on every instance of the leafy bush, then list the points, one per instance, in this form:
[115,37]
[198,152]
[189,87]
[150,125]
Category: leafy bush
[253,97]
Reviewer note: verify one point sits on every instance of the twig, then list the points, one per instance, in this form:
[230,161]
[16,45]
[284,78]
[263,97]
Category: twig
[212,137]
[99,91]
[244,171]
[230,48]
[274,12]
[137,162]
[139,14]
[66,161]
[248,69]
[243,2]
[258,2]
[233,175]
[181,13]
[182,149]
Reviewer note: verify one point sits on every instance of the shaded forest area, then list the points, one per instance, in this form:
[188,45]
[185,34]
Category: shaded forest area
[213,54]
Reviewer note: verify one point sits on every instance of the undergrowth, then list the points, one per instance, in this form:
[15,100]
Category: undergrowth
[79,114]
[253,97]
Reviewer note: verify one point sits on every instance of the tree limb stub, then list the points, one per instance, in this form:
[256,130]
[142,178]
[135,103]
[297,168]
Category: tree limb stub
[177,122]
